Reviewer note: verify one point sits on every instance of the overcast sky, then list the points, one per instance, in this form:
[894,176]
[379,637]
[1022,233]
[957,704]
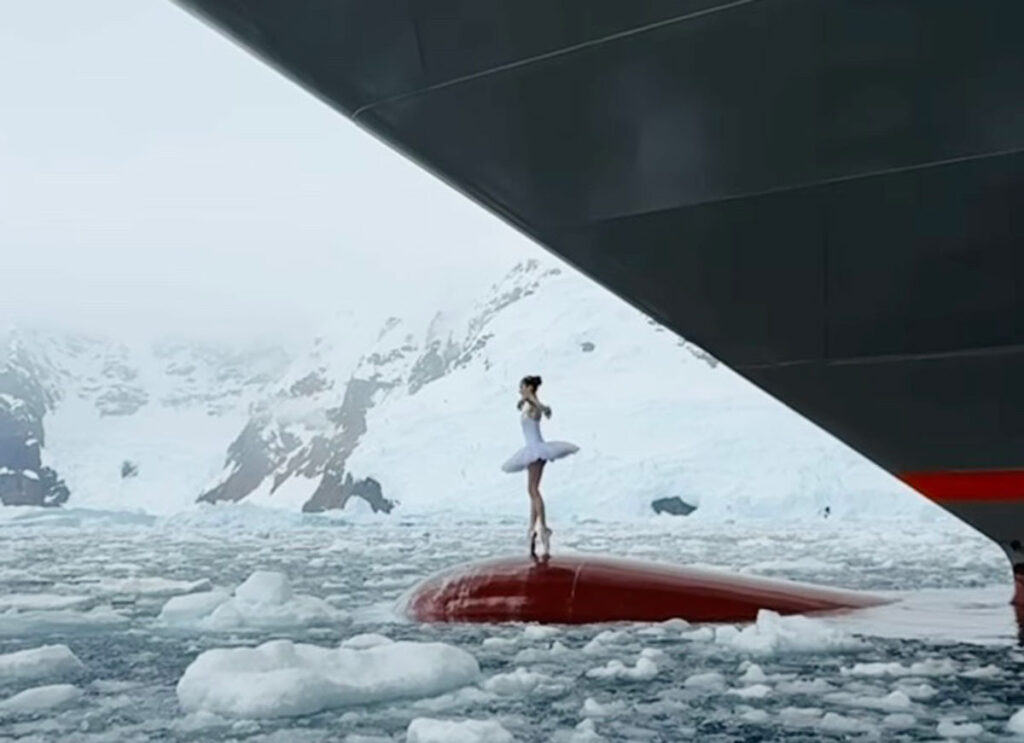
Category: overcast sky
[155,177]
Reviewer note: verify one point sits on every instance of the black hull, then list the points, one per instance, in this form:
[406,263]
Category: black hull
[825,194]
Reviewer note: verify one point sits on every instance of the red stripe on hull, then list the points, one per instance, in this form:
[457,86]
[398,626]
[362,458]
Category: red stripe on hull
[988,485]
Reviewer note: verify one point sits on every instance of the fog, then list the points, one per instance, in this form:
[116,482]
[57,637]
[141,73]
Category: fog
[155,178]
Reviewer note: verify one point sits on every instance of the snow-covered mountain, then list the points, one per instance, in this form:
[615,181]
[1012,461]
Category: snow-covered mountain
[418,414]
[105,424]
[421,413]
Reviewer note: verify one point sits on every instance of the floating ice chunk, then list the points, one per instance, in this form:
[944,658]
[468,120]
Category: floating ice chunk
[155,587]
[930,667]
[264,601]
[1015,724]
[367,640]
[836,723]
[753,674]
[985,672]
[755,716]
[467,696]
[195,722]
[896,701]
[773,634]
[951,729]
[757,691]
[593,709]
[41,698]
[800,715]
[893,702]
[711,679]
[875,669]
[600,642]
[539,631]
[702,634]
[675,624]
[805,686]
[918,691]
[585,732]
[46,662]
[281,678]
[265,587]
[192,608]
[427,730]
[42,602]
[518,682]
[62,621]
[540,655]
[644,670]
[501,643]
[899,721]
[658,656]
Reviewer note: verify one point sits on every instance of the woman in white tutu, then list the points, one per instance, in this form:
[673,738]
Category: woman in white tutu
[533,457]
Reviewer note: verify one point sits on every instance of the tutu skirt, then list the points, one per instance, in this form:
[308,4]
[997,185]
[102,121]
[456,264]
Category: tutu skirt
[547,451]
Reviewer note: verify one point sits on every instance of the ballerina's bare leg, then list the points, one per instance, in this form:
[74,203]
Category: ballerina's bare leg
[538,516]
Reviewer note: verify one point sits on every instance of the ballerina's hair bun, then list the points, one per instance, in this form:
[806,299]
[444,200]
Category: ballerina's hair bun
[533,381]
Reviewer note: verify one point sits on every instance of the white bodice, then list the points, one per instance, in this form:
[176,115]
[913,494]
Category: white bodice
[531,429]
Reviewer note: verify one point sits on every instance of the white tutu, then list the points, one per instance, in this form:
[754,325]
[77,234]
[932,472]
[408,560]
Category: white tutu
[537,448]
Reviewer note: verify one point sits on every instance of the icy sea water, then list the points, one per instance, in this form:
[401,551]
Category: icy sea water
[942,663]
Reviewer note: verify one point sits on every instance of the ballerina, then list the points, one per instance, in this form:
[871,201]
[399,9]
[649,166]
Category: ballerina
[533,457]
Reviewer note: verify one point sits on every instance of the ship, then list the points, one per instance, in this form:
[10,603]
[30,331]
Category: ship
[826,195]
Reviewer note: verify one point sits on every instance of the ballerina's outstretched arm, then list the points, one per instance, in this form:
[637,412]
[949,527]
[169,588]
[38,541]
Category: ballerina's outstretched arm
[531,397]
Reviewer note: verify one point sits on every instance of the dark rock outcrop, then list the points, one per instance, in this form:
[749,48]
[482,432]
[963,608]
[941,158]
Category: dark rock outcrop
[24,400]
[674,506]
[333,493]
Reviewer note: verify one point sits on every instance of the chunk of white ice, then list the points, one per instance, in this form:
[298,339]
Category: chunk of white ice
[644,670]
[46,662]
[772,634]
[428,730]
[41,698]
[281,678]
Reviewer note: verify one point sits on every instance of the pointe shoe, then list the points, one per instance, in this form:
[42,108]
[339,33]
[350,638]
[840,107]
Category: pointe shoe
[531,538]
[545,541]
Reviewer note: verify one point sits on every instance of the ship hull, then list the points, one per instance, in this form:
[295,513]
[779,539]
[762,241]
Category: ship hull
[588,589]
[824,194]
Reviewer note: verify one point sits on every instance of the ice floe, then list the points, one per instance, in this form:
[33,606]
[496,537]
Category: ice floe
[65,621]
[643,670]
[40,698]
[428,730]
[46,662]
[954,729]
[1015,724]
[772,634]
[264,601]
[42,602]
[281,678]
[517,683]
[593,709]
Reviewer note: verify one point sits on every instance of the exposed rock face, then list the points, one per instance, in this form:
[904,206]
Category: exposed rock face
[25,397]
[313,422]
[334,494]
[675,506]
